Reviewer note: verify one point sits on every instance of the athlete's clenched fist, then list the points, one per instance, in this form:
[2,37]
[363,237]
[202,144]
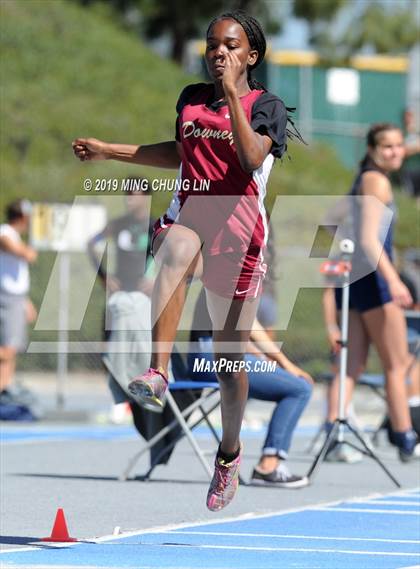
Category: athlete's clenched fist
[90,149]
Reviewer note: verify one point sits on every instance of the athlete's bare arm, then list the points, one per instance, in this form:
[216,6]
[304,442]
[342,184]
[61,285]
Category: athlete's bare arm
[252,148]
[270,349]
[160,155]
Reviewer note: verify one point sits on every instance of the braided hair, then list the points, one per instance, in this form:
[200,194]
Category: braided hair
[257,41]
[255,35]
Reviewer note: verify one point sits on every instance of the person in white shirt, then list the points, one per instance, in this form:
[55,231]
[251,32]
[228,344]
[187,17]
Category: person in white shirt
[16,309]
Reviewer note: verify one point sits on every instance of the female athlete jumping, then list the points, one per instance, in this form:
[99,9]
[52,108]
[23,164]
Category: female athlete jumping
[228,133]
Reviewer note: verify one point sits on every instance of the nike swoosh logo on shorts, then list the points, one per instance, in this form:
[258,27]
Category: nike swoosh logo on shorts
[242,291]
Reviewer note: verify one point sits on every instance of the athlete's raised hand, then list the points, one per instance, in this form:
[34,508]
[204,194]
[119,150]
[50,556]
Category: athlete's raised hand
[334,337]
[89,149]
[231,73]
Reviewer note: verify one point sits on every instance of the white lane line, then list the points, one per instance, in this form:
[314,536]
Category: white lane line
[368,511]
[391,503]
[40,545]
[62,545]
[289,536]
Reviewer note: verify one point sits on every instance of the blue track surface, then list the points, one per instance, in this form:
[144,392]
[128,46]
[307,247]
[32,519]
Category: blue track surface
[381,532]
[34,433]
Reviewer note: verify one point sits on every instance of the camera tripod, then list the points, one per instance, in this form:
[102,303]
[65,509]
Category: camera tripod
[336,435]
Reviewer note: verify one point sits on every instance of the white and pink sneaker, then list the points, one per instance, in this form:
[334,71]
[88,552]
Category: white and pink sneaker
[149,389]
[224,483]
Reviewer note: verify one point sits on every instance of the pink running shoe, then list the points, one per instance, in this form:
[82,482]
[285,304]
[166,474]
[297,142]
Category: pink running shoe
[149,389]
[224,483]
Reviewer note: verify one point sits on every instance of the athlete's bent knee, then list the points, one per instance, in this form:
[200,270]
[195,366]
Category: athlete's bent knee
[182,253]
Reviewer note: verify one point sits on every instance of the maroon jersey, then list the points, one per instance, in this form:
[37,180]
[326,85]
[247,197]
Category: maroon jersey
[217,198]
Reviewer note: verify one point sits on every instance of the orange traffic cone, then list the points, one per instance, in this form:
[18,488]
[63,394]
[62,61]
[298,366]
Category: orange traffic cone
[59,530]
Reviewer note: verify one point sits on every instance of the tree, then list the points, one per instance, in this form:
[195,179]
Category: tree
[317,13]
[381,27]
[384,31]
[183,20]
[317,10]
[186,19]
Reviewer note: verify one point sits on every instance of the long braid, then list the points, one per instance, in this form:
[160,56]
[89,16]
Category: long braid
[257,41]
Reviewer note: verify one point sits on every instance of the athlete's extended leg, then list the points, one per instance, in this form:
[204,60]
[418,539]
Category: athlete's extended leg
[232,321]
[387,328]
[177,252]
